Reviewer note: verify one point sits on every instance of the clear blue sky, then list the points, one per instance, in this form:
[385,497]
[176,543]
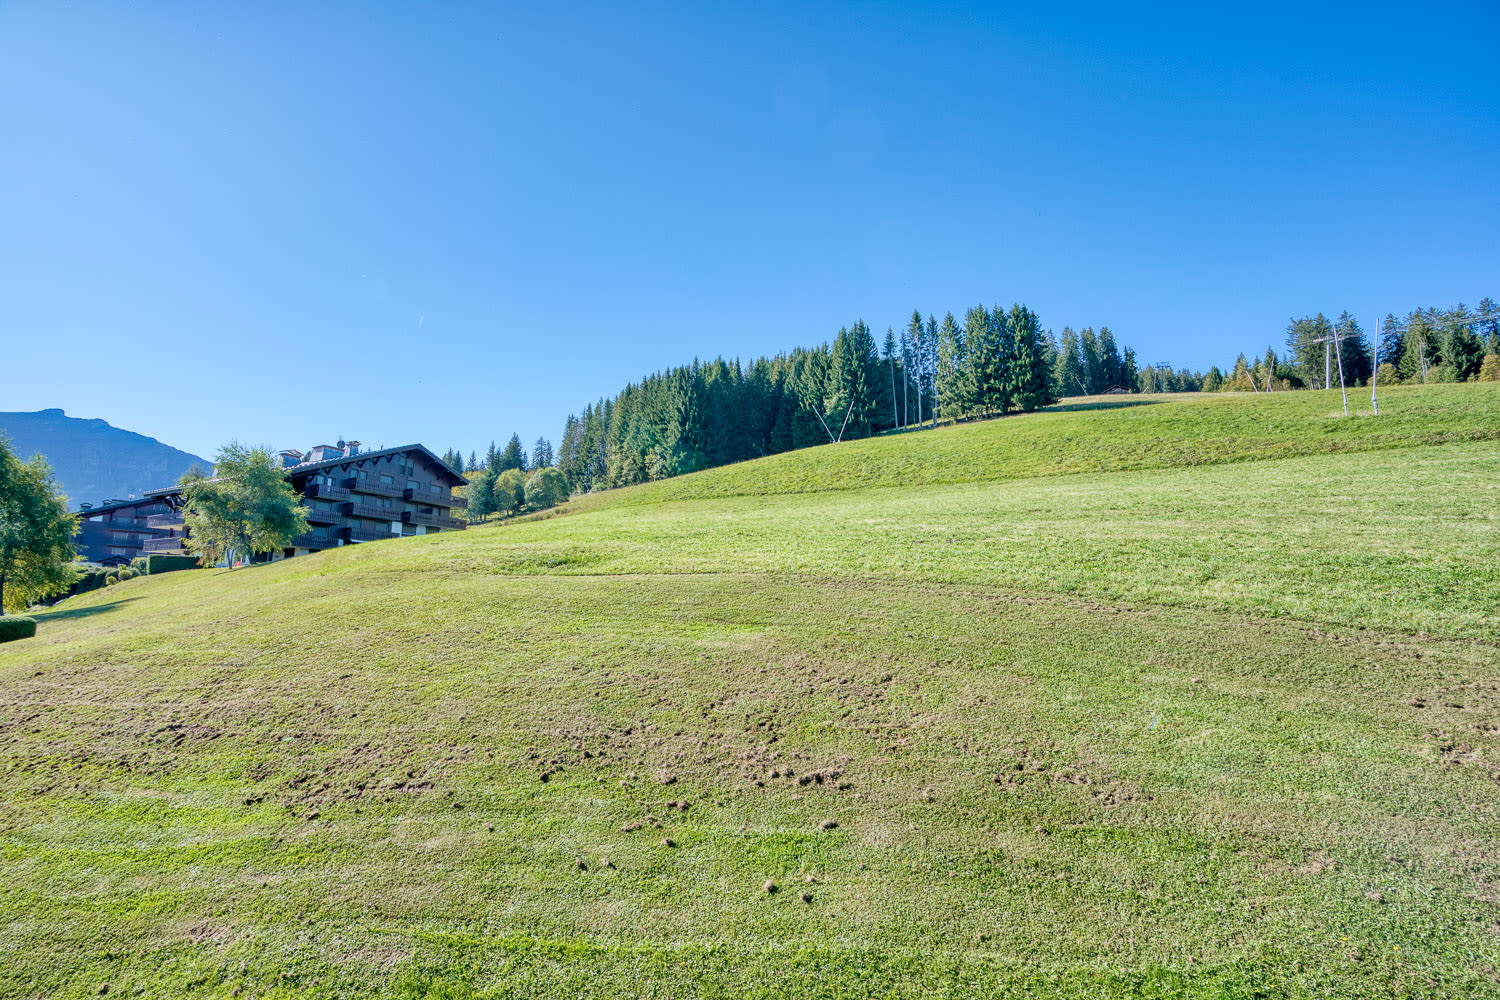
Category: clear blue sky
[414,222]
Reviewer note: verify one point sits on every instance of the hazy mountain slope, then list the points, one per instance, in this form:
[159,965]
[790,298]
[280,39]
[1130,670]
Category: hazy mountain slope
[93,459]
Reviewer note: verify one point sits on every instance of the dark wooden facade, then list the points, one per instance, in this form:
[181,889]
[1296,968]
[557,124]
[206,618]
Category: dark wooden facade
[368,496]
[118,531]
[351,497]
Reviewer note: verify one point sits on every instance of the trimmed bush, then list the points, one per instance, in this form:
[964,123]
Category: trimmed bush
[169,563]
[16,627]
[91,579]
[546,488]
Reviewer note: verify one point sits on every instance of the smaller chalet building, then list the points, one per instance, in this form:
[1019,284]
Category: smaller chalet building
[117,531]
[351,496]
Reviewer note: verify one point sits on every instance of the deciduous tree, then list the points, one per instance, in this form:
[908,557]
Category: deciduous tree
[36,532]
[246,509]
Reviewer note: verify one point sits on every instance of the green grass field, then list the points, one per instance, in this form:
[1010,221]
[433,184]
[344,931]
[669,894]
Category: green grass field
[1195,697]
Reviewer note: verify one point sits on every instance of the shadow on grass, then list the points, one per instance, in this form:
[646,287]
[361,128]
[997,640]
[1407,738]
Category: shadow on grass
[1102,404]
[97,609]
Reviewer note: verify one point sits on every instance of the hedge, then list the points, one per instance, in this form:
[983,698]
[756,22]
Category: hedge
[88,580]
[16,627]
[169,563]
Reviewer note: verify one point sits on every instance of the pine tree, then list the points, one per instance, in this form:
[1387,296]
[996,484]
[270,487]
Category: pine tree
[1071,376]
[1030,381]
[913,341]
[951,362]
[1130,375]
[512,457]
[1109,361]
[1093,365]
[890,359]
[1357,364]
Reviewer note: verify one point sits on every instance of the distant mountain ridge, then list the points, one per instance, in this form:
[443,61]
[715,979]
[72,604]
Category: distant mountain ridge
[94,460]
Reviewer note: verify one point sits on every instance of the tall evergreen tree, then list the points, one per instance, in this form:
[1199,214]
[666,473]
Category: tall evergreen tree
[1071,376]
[913,341]
[951,365]
[1130,376]
[1358,363]
[1030,381]
[890,360]
[512,457]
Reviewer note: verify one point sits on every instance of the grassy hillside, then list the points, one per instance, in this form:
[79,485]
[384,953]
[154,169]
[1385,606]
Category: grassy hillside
[1225,730]
[1107,434]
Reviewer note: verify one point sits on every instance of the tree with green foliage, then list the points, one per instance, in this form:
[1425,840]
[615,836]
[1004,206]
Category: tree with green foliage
[1070,376]
[546,488]
[541,453]
[911,355]
[512,457]
[1130,374]
[1030,381]
[247,508]
[889,355]
[510,491]
[1111,368]
[952,362]
[36,532]
[481,494]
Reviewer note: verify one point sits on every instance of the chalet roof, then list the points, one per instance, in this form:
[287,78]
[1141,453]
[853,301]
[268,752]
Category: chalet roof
[113,504]
[365,456]
[329,463]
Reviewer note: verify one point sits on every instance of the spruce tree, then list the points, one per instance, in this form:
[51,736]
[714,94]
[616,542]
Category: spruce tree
[1071,377]
[950,367]
[512,457]
[1030,381]
[913,340]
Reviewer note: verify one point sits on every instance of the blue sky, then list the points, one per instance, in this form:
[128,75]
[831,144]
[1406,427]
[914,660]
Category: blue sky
[421,222]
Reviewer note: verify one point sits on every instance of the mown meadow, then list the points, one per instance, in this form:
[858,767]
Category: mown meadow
[1195,697]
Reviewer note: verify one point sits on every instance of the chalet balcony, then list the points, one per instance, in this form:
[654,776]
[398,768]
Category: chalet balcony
[357,509]
[369,536]
[321,492]
[450,523]
[324,516]
[428,497]
[316,540]
[373,488]
[459,502]
[172,520]
[163,545]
